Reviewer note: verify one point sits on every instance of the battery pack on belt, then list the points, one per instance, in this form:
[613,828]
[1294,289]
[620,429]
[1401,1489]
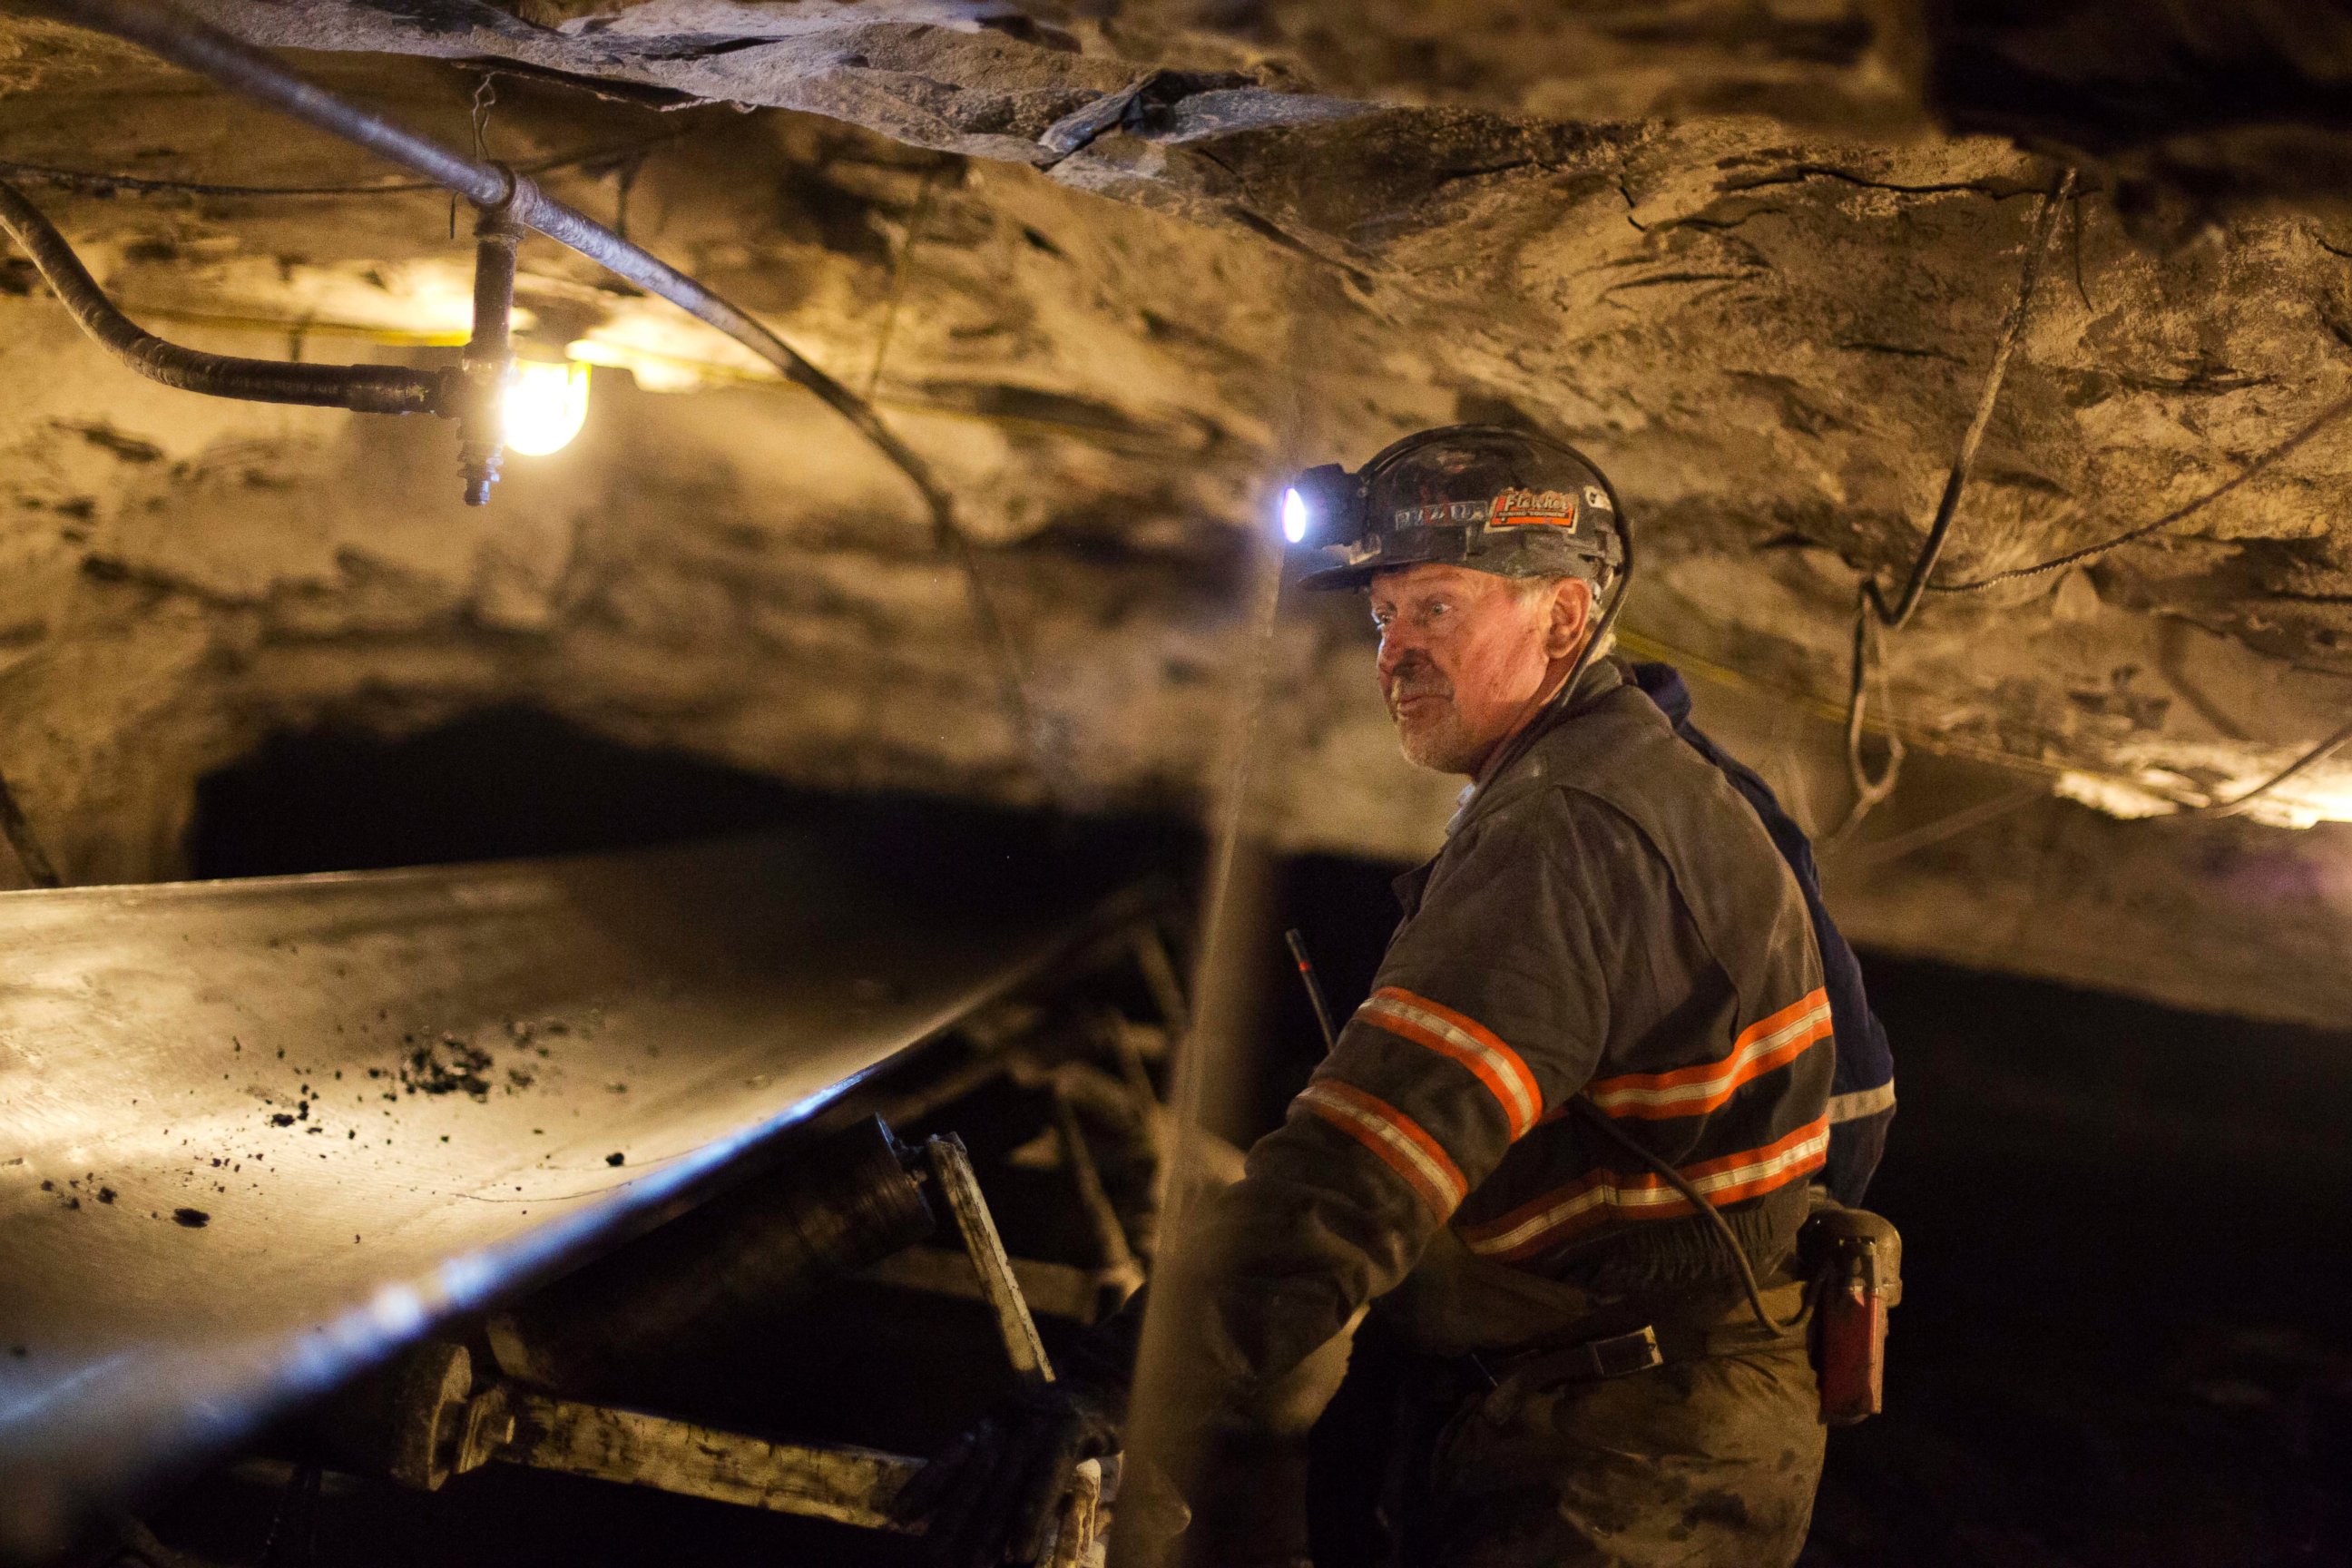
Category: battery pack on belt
[1855,1261]
[1850,1323]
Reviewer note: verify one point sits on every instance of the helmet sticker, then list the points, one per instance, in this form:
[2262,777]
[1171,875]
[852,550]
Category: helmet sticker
[1597,498]
[1533,508]
[1440,514]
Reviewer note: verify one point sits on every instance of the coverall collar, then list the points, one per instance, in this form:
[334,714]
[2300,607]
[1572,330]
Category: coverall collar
[1523,769]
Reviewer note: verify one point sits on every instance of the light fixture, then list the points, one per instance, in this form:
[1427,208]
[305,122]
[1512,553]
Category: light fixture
[546,403]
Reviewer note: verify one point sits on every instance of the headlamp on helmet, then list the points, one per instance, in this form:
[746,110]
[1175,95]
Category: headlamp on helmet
[1478,496]
[1324,506]
[1493,499]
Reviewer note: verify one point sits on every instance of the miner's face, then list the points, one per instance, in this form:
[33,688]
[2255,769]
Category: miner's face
[1467,657]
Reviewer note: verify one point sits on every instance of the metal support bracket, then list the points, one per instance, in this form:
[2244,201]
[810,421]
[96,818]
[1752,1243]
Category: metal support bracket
[446,1433]
[443,1432]
[952,1168]
[847,1485]
[1118,1262]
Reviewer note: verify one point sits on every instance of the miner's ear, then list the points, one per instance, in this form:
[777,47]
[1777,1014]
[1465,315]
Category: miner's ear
[1571,616]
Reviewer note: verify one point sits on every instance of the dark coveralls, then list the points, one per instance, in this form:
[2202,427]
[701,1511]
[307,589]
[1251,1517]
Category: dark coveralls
[1862,1094]
[1608,919]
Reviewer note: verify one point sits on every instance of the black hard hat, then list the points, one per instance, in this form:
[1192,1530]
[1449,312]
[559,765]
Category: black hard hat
[1480,496]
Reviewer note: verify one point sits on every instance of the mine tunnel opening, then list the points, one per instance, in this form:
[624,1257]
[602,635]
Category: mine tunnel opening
[514,782]
[496,784]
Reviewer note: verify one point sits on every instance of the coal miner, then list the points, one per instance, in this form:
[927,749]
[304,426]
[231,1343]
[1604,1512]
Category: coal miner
[1566,1151]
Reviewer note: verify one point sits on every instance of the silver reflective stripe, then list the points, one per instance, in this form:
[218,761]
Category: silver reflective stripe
[1861,1103]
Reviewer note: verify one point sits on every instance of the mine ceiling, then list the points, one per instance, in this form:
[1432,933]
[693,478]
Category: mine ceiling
[1115,269]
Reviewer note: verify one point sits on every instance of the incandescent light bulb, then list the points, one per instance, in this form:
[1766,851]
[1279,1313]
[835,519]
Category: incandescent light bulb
[546,403]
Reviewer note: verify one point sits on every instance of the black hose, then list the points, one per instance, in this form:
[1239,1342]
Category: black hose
[1599,1120]
[366,388]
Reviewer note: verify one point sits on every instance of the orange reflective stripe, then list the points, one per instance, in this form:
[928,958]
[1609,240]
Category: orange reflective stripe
[1539,1226]
[1694,1091]
[1466,1041]
[1732,1177]
[1395,1137]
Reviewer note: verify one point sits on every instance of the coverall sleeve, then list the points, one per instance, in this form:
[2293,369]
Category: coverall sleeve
[1491,1009]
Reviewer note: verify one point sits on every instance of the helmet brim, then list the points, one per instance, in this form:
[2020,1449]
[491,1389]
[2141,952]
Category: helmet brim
[1333,579]
[1429,545]
[1358,573]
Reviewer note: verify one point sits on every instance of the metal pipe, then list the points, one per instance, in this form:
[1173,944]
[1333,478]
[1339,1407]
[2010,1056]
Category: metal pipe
[489,360]
[365,388]
[208,50]
[199,47]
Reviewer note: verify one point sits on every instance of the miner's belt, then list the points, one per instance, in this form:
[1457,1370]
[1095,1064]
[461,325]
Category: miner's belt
[1594,1361]
[1512,1374]
[1617,1356]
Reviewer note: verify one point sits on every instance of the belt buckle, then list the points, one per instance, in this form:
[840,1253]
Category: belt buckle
[1625,1354]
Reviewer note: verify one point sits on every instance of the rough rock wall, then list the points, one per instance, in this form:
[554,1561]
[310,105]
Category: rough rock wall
[1112,294]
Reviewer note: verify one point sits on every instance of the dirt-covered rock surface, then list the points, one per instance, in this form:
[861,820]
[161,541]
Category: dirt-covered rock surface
[1113,272]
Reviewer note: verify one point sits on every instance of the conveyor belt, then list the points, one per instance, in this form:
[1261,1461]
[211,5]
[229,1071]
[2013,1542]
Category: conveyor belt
[255,1134]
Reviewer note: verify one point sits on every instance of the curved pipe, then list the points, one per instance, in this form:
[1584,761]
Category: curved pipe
[199,47]
[208,51]
[366,388]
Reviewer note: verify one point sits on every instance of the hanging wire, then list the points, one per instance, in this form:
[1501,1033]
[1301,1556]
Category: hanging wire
[93,182]
[2037,249]
[1871,609]
[1873,612]
[2304,764]
[1881,852]
[2270,460]
[899,268]
[486,97]
[1868,793]
[624,184]
[1029,725]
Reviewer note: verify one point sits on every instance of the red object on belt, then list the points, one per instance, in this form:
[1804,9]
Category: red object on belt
[1851,1322]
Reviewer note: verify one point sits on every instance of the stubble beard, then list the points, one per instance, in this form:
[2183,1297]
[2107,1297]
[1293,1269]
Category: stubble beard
[1433,739]
[1434,742]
